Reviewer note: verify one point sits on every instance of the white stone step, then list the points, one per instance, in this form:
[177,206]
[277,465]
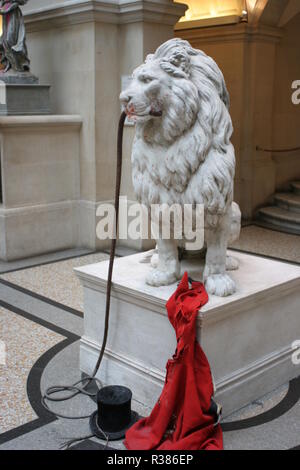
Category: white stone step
[280,219]
[296,187]
[288,201]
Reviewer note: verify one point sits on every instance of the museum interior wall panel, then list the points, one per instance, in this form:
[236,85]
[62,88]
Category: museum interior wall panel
[228,50]
[32,158]
[263,174]
[64,57]
[230,58]
[260,84]
[39,229]
[286,116]
[246,56]
[131,52]
[273,12]
[40,174]
[107,109]
[83,49]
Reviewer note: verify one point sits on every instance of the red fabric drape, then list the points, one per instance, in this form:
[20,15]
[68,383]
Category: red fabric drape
[180,420]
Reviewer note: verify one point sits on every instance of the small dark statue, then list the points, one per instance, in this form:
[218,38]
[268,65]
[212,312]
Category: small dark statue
[13,49]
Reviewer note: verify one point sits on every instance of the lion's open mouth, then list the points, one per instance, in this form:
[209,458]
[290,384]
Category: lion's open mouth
[135,115]
[156,112]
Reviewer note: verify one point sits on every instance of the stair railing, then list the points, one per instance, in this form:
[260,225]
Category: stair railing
[261,149]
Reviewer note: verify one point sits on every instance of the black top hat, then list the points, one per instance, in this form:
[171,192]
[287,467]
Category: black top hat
[114,416]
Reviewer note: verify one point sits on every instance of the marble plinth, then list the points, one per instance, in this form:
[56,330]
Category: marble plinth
[25,98]
[18,78]
[247,337]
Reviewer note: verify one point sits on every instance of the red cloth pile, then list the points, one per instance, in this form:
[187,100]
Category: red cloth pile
[180,420]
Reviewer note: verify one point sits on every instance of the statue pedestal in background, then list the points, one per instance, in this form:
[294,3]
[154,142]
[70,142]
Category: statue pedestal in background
[247,337]
[21,94]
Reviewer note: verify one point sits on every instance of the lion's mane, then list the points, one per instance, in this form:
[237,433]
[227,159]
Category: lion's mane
[187,156]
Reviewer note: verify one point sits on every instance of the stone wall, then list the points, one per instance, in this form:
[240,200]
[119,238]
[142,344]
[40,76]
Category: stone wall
[246,55]
[286,118]
[260,60]
[40,173]
[83,48]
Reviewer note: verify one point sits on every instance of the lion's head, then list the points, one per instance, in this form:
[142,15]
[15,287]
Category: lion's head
[177,85]
[179,101]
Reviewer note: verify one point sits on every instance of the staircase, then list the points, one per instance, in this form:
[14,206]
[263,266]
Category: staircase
[284,215]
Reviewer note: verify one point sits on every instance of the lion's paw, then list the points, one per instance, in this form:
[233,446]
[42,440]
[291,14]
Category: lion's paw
[232,264]
[220,285]
[157,278]
[155,260]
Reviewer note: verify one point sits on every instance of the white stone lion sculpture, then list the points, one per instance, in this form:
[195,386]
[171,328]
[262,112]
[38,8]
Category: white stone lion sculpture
[182,153]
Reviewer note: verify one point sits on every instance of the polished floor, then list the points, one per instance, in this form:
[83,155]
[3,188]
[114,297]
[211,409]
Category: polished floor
[41,323]
[25,342]
[270,243]
[55,281]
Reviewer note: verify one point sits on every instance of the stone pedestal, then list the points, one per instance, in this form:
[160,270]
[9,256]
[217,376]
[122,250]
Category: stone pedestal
[247,337]
[21,94]
[21,100]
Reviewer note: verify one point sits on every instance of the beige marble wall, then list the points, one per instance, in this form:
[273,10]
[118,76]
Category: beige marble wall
[259,165]
[246,55]
[107,108]
[260,60]
[286,117]
[230,58]
[82,49]
[64,58]
[259,64]
[40,158]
